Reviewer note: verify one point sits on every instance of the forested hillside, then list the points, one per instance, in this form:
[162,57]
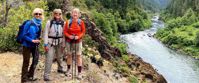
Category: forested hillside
[154,5]
[182,31]
[179,7]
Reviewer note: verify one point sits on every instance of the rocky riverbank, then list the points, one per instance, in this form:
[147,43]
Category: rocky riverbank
[144,71]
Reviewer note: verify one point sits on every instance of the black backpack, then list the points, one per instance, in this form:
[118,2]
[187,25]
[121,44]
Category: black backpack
[54,22]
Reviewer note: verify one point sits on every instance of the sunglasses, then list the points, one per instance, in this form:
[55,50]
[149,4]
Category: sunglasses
[38,14]
[58,13]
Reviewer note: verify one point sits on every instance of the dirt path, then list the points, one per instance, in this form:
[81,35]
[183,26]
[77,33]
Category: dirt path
[11,63]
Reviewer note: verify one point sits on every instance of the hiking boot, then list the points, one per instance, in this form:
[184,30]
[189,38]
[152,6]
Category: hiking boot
[79,76]
[61,71]
[32,79]
[47,79]
[68,73]
[24,80]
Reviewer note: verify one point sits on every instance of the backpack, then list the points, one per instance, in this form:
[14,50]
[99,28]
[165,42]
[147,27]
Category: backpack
[53,22]
[57,23]
[19,37]
[71,20]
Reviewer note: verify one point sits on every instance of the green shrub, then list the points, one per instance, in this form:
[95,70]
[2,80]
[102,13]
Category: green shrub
[197,39]
[15,18]
[133,79]
[122,47]
[125,58]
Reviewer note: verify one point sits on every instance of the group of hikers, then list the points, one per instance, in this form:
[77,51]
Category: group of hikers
[58,36]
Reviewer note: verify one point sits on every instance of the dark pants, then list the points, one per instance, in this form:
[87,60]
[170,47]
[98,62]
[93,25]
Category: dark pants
[26,58]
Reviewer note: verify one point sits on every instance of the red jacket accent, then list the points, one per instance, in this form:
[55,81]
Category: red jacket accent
[75,29]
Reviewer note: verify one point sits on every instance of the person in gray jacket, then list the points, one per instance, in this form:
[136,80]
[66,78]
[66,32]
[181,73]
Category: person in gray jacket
[53,43]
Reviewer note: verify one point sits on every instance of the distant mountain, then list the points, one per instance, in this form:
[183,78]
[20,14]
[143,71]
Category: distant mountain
[154,5]
[163,3]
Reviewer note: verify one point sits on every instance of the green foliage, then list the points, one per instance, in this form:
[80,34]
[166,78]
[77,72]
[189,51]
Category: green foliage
[189,17]
[174,23]
[179,7]
[88,40]
[133,79]
[181,33]
[125,58]
[52,4]
[133,22]
[197,39]
[154,5]
[196,25]
[103,23]
[78,3]
[92,4]
[128,16]
[125,70]
[121,46]
[122,67]
[107,24]
[7,40]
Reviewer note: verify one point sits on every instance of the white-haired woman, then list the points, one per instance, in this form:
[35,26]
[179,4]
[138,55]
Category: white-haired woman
[53,43]
[74,30]
[31,40]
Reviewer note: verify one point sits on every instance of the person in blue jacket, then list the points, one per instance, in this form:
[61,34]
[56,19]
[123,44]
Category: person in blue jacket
[31,40]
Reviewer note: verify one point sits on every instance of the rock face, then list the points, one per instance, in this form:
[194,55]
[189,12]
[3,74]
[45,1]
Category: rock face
[106,50]
[145,69]
[139,68]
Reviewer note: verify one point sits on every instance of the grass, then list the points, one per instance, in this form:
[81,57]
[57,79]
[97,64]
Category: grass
[133,79]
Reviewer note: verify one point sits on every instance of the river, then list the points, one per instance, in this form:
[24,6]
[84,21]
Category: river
[175,67]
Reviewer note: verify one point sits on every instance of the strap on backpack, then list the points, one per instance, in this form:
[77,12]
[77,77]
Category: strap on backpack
[31,23]
[71,20]
[54,22]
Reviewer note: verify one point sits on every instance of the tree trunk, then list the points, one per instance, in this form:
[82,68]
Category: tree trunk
[6,13]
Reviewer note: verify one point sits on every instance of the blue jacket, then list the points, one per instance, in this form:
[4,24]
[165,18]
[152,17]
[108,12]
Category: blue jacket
[31,31]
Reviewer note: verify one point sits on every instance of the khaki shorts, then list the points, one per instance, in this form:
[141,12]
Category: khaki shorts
[70,47]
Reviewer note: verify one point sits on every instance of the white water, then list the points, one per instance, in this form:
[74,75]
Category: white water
[176,68]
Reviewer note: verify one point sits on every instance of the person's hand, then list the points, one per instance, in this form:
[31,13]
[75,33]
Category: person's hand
[46,48]
[71,37]
[36,41]
[76,37]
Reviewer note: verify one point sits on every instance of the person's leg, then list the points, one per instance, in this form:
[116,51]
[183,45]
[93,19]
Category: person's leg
[35,55]
[79,58]
[48,63]
[59,56]
[26,59]
[69,57]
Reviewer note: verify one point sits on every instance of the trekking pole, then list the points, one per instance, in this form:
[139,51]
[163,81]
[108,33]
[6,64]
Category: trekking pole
[72,58]
[75,58]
